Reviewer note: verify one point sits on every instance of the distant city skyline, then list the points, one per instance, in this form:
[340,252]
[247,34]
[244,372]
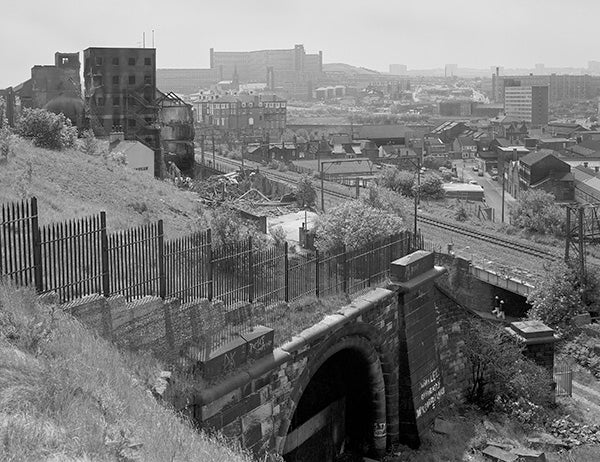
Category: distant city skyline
[421,35]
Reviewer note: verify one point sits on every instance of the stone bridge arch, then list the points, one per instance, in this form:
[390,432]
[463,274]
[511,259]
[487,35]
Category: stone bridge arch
[375,371]
[388,334]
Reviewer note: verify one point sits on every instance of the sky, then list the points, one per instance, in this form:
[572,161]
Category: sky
[423,34]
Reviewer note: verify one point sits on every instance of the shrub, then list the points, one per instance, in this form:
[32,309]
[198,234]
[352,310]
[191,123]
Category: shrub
[385,199]
[536,211]
[397,180]
[46,129]
[560,295]
[306,195]
[430,187]
[355,224]
[584,350]
[461,213]
[89,143]
[6,143]
[278,235]
[500,374]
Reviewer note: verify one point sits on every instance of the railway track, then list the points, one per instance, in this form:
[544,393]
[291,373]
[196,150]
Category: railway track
[482,236]
[527,249]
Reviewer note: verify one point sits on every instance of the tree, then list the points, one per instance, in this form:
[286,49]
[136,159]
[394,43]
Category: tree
[385,199]
[306,195]
[354,224]
[435,163]
[46,129]
[537,211]
[561,294]
[89,143]
[498,367]
[397,180]
[431,187]
[404,182]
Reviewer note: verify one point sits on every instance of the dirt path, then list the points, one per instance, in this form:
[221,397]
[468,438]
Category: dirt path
[588,398]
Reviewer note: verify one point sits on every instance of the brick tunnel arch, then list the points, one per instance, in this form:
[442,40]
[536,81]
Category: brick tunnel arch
[370,418]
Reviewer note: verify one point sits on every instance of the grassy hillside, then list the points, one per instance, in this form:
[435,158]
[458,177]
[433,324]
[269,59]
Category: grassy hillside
[70,184]
[68,395]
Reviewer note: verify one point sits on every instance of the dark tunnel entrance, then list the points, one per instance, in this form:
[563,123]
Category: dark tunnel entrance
[336,413]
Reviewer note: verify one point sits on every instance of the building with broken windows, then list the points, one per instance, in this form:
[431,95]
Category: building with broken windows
[120,94]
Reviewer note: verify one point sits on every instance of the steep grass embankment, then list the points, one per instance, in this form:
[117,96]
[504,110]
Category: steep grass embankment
[70,184]
[68,395]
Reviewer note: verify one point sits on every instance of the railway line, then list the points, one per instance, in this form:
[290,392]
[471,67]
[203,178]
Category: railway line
[336,195]
[528,249]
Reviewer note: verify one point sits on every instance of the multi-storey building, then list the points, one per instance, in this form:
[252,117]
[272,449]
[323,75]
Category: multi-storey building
[560,87]
[527,104]
[293,71]
[253,65]
[120,92]
[245,114]
[56,88]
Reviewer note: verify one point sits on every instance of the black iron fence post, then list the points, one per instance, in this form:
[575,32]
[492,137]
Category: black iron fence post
[162,280]
[210,266]
[250,271]
[286,272]
[344,270]
[317,273]
[104,256]
[370,263]
[37,247]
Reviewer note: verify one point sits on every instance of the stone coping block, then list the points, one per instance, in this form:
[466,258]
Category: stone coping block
[410,266]
[420,280]
[259,342]
[532,332]
[251,345]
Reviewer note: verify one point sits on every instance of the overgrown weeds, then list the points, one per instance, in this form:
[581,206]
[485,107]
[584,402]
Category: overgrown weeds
[66,394]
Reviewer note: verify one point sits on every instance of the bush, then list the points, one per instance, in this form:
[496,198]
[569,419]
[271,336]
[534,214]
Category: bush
[500,374]
[46,129]
[6,143]
[306,195]
[431,187]
[560,295]
[584,350]
[355,224]
[404,182]
[536,211]
[89,143]
[397,180]
[435,163]
[385,199]
[278,235]
[461,213]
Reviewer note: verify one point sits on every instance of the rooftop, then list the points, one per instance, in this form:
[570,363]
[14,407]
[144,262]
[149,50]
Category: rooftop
[536,156]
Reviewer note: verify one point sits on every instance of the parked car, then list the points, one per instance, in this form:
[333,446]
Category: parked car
[475,168]
[473,182]
[494,177]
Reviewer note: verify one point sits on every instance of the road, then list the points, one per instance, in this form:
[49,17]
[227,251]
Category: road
[492,189]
